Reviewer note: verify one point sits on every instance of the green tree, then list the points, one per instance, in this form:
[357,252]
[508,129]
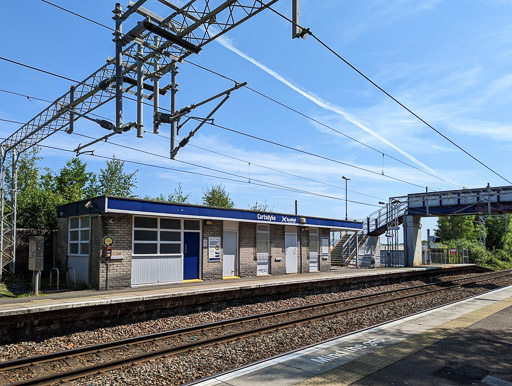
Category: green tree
[113,181]
[261,207]
[74,183]
[217,196]
[178,197]
[496,236]
[457,227]
[36,199]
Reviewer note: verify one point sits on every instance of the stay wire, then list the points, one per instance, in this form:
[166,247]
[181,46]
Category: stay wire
[308,31]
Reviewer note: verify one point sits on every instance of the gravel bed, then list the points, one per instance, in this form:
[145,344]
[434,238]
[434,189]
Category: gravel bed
[100,335]
[194,365]
[191,366]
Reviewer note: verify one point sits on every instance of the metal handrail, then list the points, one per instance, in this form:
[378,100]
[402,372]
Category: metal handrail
[51,277]
[74,277]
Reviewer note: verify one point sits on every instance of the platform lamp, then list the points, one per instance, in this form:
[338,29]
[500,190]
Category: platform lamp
[346,196]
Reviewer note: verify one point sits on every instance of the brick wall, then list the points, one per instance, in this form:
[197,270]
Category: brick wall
[247,237]
[212,270]
[119,271]
[62,245]
[325,265]
[304,248]
[277,263]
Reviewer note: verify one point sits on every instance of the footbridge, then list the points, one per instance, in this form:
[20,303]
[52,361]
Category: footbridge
[408,211]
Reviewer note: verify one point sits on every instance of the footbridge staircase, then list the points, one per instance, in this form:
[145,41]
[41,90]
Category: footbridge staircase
[346,247]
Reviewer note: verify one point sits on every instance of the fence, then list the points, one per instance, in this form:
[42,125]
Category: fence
[447,256]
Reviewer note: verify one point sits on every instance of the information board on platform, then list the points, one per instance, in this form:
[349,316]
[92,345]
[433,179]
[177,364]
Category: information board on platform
[213,248]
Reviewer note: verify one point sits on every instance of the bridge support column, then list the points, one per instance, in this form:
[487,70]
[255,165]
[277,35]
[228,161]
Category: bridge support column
[412,241]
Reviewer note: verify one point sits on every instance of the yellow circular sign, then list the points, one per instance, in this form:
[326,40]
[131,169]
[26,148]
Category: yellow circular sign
[108,241]
[217,247]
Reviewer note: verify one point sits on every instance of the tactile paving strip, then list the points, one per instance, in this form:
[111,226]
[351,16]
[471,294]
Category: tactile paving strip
[366,365]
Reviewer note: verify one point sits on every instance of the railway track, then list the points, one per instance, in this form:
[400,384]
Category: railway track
[81,362]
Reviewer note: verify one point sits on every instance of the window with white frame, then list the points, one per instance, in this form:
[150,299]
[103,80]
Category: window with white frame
[313,240]
[79,236]
[160,236]
[262,239]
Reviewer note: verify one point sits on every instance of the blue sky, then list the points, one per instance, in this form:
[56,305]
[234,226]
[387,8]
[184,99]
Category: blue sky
[448,61]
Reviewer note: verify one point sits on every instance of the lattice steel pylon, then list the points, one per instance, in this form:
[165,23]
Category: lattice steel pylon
[147,52]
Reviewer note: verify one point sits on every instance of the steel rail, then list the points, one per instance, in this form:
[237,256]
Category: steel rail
[172,350]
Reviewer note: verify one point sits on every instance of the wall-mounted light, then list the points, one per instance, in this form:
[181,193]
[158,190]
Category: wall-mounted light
[208,222]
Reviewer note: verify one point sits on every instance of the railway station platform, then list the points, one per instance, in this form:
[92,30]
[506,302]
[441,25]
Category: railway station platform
[468,342]
[65,300]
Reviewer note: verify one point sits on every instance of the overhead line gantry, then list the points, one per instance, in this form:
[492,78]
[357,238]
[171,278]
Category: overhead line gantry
[143,56]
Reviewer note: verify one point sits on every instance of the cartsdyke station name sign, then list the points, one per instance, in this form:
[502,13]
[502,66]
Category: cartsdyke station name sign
[277,218]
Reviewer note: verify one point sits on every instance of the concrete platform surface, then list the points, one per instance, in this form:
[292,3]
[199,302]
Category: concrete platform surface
[469,342]
[84,298]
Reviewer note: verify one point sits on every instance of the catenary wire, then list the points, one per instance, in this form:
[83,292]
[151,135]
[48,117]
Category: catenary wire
[241,133]
[228,156]
[308,31]
[310,153]
[274,100]
[388,176]
[289,147]
[321,123]
[270,168]
[11,121]
[78,15]
[38,69]
[250,180]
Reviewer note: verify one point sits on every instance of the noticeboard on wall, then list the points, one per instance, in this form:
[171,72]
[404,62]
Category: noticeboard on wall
[213,248]
[325,246]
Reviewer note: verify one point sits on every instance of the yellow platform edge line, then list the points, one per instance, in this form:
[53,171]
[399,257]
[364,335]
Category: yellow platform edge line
[359,368]
[230,277]
[192,281]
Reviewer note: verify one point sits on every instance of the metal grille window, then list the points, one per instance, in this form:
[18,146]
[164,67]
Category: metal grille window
[78,236]
[262,239]
[156,236]
[313,240]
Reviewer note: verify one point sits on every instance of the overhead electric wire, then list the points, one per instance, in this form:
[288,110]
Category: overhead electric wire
[280,103]
[10,121]
[25,95]
[309,153]
[321,123]
[276,101]
[308,31]
[38,69]
[78,15]
[250,180]
[47,101]
[270,168]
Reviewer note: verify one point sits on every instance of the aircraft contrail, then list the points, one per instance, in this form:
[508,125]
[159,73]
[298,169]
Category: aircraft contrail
[319,101]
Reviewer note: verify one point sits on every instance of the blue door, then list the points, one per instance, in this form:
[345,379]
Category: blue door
[191,257]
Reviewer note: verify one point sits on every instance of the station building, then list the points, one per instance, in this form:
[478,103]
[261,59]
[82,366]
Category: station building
[110,242]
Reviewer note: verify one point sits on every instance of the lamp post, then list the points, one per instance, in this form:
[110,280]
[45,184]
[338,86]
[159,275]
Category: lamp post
[346,196]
